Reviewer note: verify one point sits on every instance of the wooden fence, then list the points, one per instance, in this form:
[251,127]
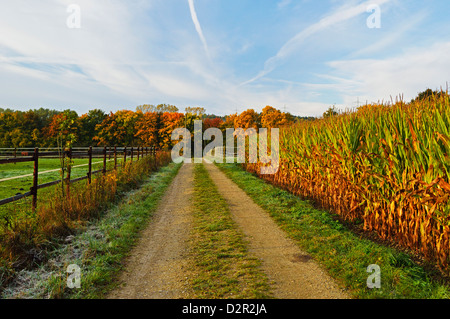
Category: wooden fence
[33,155]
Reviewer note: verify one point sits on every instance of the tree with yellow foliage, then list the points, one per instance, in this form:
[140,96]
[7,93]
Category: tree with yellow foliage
[118,128]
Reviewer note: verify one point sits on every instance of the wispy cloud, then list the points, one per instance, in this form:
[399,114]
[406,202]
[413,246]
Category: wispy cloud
[283,3]
[198,27]
[135,52]
[393,36]
[340,15]
[405,74]
[40,46]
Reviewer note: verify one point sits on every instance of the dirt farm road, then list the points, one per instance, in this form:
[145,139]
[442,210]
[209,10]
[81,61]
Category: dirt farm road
[157,266]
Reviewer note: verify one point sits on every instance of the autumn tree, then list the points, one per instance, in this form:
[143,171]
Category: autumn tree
[169,122]
[63,129]
[118,128]
[271,117]
[247,119]
[212,122]
[229,121]
[147,129]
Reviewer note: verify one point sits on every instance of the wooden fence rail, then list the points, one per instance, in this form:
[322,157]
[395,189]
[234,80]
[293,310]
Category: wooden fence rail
[33,155]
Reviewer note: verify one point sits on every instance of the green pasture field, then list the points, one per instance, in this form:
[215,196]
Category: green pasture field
[9,188]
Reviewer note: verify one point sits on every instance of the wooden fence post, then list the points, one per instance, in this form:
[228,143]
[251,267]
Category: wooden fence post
[125,155]
[69,168]
[35,177]
[104,160]
[132,153]
[90,165]
[138,152]
[115,157]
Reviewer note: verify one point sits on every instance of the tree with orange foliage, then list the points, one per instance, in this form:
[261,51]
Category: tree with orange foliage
[271,117]
[247,119]
[63,126]
[169,122]
[229,121]
[147,129]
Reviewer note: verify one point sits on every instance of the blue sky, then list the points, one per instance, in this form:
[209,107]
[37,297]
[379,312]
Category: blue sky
[301,56]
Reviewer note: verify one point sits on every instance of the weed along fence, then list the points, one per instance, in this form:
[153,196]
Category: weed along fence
[34,155]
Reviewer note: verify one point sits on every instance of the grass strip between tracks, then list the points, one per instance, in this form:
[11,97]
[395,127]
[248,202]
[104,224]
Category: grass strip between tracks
[222,265]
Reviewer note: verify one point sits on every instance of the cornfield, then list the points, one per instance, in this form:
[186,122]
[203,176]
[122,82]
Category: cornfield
[385,166]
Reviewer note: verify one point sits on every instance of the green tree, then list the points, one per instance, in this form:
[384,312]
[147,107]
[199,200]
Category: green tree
[88,123]
[332,111]
[429,93]
[18,128]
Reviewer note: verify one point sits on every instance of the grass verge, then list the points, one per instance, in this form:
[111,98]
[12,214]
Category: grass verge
[343,253]
[222,266]
[27,237]
[99,249]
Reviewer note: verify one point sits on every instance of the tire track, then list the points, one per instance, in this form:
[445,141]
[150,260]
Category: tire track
[156,268]
[294,273]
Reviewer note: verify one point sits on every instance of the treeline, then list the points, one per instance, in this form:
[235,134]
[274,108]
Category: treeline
[147,126]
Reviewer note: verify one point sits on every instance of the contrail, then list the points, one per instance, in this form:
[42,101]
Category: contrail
[292,45]
[197,26]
